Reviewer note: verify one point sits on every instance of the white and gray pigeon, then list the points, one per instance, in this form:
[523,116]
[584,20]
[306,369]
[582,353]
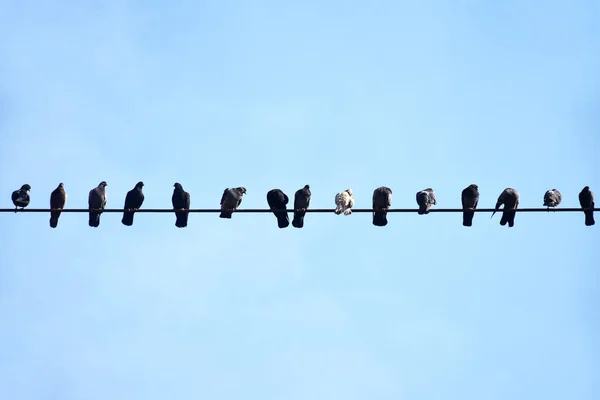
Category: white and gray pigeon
[231,200]
[586,201]
[425,199]
[382,201]
[552,198]
[58,199]
[20,197]
[510,198]
[97,201]
[344,201]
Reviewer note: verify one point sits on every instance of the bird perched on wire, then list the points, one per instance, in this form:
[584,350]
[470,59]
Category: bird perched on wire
[96,202]
[231,200]
[552,198]
[382,201]
[181,205]
[344,202]
[510,198]
[58,199]
[586,200]
[278,200]
[301,203]
[469,199]
[20,197]
[425,199]
[133,201]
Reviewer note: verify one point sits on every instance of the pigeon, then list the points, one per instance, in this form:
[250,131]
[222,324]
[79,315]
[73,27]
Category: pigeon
[278,201]
[97,201]
[231,200]
[58,198]
[301,203]
[133,201]
[552,198]
[181,205]
[344,202]
[586,200]
[425,199]
[20,197]
[469,198]
[382,200]
[510,198]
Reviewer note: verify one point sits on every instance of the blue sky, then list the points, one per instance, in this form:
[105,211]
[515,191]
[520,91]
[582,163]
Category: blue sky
[267,95]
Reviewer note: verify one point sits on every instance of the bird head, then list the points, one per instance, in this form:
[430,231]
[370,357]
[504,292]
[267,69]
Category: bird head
[103,184]
[61,185]
[177,185]
[585,189]
[242,190]
[139,185]
[306,187]
[349,191]
[26,187]
[474,186]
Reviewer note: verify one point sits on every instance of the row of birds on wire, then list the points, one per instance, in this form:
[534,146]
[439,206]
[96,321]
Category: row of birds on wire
[278,200]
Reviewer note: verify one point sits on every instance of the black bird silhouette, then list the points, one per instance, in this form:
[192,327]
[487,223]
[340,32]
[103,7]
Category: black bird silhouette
[181,205]
[382,201]
[133,201]
[278,200]
[301,203]
[58,198]
[97,201]
[586,200]
[231,200]
[469,198]
[510,198]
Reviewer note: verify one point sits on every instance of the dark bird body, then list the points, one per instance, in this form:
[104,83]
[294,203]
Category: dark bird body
[469,199]
[97,201]
[510,198]
[181,205]
[278,200]
[231,200]
[552,198]
[58,199]
[133,201]
[20,197]
[301,203]
[425,199]
[382,201]
[586,200]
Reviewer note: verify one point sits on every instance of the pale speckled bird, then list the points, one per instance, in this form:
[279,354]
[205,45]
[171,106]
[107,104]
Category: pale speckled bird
[344,202]
[552,198]
[425,199]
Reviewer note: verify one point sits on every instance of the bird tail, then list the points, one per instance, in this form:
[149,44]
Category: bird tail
[225,214]
[94,219]
[468,218]
[298,221]
[380,218]
[589,217]
[54,215]
[283,221]
[127,219]
[181,219]
[508,217]
[423,208]
[347,211]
